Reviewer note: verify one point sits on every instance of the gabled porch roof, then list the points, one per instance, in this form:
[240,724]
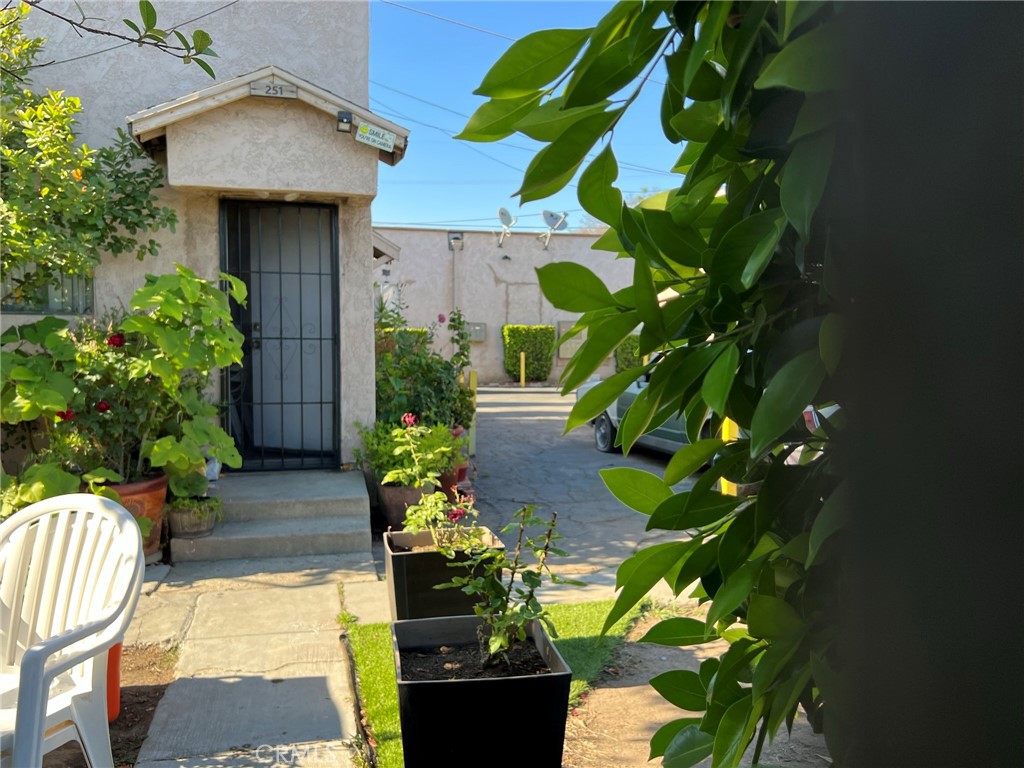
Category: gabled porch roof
[151,123]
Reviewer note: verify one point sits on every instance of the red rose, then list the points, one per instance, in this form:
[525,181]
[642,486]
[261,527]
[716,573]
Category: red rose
[409,420]
[456,514]
[67,415]
[102,406]
[117,340]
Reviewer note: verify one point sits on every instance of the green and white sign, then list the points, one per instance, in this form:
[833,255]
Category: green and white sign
[375,137]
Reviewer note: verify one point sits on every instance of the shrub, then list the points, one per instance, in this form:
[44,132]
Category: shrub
[627,354]
[537,341]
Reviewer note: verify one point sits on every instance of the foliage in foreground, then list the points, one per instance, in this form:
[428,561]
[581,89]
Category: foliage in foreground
[584,648]
[735,284]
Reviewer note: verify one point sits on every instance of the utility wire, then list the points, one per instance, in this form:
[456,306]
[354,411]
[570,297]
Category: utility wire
[449,21]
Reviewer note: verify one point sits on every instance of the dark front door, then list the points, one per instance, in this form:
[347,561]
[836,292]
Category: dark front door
[283,401]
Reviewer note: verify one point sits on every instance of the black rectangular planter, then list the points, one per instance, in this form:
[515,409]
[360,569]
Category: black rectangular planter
[504,722]
[412,575]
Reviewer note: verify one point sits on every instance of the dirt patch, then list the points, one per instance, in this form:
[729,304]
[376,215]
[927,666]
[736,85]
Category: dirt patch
[462,662]
[146,671]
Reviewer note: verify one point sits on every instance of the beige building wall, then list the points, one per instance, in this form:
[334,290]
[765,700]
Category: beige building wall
[254,148]
[491,284]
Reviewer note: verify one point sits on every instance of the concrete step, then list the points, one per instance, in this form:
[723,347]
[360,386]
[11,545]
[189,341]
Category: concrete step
[250,496]
[288,537]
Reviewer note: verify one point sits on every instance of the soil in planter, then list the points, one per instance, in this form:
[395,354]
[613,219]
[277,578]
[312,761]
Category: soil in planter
[462,662]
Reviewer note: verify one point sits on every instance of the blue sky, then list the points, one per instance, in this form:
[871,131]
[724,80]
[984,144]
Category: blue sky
[423,70]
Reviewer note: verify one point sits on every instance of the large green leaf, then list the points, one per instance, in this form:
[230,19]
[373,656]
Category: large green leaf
[718,380]
[554,166]
[803,181]
[833,515]
[690,458]
[698,562]
[684,511]
[689,747]
[636,488]
[751,241]
[782,404]
[495,119]
[683,245]
[573,287]
[639,573]
[683,688]
[810,63]
[532,62]
[550,120]
[615,66]
[772,663]
[596,399]
[699,121]
[681,630]
[734,591]
[750,29]
[646,297]
[830,341]
[734,733]
[602,339]
[773,618]
[638,417]
[666,733]
[595,191]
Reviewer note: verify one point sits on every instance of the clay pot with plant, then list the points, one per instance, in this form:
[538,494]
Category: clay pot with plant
[122,399]
[193,517]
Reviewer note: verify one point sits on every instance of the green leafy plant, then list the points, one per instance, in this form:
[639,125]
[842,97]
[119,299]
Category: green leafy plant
[461,349]
[111,400]
[200,507]
[465,407]
[736,284]
[411,454]
[537,341]
[508,583]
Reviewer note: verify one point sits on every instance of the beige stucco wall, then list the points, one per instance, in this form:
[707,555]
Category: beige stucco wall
[492,285]
[270,145]
[322,41]
[255,148]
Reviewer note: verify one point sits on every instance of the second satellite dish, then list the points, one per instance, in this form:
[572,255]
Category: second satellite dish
[555,221]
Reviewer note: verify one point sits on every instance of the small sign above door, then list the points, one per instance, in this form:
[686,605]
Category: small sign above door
[375,137]
[273,89]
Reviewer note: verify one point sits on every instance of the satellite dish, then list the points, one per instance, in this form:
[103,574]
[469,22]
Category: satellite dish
[507,222]
[555,222]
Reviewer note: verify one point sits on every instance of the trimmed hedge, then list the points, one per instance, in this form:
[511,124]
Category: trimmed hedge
[538,341]
[626,354]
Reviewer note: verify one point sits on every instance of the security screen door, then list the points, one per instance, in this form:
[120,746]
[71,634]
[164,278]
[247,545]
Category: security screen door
[283,401]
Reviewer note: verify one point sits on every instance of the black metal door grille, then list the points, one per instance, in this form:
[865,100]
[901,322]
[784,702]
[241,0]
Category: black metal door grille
[282,403]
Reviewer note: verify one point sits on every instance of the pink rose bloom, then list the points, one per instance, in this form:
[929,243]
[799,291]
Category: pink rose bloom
[409,420]
[442,319]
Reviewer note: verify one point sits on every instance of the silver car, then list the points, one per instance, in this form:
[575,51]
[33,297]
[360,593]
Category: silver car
[667,438]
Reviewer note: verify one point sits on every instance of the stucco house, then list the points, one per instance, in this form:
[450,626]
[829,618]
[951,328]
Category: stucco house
[271,168]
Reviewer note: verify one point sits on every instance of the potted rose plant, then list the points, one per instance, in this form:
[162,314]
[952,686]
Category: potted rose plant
[502,653]
[111,402]
[437,534]
[407,460]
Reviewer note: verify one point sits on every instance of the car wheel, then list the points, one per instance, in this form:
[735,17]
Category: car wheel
[604,434]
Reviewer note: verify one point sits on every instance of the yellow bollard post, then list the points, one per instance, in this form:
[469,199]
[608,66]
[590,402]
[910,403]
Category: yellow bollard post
[522,369]
[730,431]
[472,429]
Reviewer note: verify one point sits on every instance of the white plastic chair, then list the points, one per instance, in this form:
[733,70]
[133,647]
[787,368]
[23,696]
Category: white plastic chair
[71,571]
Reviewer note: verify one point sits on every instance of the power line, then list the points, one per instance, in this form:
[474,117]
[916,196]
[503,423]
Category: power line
[449,21]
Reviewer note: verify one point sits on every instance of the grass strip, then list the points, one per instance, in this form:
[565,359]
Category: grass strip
[579,641]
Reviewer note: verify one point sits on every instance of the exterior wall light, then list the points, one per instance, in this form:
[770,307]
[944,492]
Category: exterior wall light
[344,122]
[455,241]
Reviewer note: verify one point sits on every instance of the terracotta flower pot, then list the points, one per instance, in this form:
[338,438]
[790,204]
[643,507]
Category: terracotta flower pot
[146,499]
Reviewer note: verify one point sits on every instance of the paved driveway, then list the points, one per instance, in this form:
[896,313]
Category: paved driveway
[522,457]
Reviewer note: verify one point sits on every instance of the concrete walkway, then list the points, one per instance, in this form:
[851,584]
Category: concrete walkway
[263,678]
